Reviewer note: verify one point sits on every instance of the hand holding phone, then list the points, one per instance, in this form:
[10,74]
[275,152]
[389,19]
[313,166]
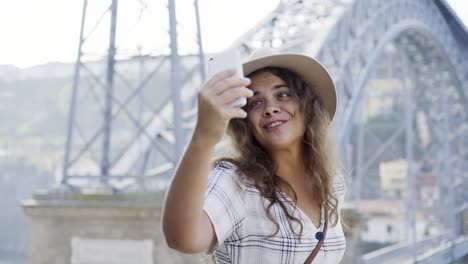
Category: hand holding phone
[227,60]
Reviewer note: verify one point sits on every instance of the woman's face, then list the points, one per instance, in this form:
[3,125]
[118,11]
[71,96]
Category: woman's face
[274,113]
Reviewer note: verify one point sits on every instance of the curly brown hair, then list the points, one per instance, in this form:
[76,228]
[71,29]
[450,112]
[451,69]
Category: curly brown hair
[252,160]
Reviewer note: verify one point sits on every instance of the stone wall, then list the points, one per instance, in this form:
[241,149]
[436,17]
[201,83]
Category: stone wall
[57,217]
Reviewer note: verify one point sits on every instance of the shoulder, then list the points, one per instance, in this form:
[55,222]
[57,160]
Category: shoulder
[224,164]
[224,173]
[339,184]
[339,187]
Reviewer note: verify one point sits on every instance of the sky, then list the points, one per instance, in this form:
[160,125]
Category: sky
[36,32]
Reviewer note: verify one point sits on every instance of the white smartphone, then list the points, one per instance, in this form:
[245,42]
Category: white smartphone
[222,61]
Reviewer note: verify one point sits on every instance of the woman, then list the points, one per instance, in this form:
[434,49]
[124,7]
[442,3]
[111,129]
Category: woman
[279,194]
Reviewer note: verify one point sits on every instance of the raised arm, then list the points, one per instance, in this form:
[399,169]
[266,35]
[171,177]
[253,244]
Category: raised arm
[186,226]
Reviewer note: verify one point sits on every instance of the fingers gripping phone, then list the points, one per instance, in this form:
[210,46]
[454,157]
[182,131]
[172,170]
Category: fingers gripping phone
[227,60]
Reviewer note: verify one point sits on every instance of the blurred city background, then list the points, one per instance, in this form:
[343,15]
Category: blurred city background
[98,99]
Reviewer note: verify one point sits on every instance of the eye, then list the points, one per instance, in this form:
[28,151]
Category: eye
[283,95]
[254,104]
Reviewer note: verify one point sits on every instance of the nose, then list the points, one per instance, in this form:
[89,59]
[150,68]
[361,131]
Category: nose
[271,109]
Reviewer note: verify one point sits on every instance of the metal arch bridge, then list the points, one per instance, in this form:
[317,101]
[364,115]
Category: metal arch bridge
[398,62]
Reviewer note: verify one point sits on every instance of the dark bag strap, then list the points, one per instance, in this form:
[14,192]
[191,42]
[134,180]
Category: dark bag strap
[318,246]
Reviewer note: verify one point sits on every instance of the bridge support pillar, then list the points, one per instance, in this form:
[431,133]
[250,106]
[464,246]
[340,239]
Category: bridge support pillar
[352,223]
[464,225]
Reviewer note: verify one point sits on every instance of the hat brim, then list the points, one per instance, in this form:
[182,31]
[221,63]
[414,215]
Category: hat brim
[307,68]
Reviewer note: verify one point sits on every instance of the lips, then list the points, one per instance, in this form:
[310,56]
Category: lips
[274,124]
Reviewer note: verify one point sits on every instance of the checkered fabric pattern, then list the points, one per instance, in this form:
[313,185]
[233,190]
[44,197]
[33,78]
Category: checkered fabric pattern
[242,227]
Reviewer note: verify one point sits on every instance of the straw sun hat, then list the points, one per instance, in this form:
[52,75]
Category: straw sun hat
[310,70]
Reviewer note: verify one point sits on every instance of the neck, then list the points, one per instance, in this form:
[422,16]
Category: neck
[289,164]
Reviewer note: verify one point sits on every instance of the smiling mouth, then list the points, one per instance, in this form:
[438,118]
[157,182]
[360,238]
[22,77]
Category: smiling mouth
[274,124]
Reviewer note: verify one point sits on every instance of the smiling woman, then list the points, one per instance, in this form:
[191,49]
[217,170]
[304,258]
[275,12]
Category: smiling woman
[277,200]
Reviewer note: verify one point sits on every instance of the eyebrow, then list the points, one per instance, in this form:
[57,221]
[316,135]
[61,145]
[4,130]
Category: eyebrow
[274,88]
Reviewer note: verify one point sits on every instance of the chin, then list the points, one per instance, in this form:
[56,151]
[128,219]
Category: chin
[279,141]
[281,144]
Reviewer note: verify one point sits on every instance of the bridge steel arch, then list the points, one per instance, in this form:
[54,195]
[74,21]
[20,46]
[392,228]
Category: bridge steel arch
[438,62]
[352,55]
[362,48]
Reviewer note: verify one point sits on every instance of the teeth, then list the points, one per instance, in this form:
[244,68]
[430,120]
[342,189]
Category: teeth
[277,123]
